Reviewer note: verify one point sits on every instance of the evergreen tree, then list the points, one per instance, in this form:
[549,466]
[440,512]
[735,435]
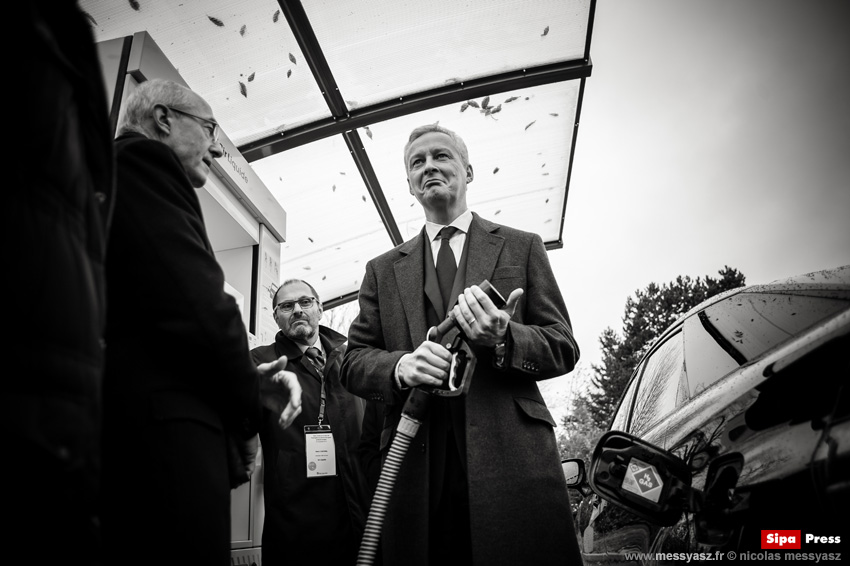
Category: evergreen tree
[579,433]
[646,316]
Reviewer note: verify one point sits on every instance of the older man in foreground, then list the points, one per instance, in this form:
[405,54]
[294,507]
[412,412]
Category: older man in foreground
[179,381]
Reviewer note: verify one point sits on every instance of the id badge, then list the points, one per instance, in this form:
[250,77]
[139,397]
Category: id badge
[321,456]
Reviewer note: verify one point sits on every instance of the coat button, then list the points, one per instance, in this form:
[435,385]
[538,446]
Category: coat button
[100,197]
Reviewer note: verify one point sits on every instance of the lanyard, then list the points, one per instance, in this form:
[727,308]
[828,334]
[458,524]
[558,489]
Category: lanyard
[322,395]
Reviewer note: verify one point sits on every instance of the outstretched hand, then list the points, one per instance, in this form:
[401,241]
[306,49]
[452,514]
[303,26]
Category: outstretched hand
[481,322]
[280,391]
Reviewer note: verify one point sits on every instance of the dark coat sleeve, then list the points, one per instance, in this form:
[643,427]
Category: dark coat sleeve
[368,368]
[540,338]
[168,282]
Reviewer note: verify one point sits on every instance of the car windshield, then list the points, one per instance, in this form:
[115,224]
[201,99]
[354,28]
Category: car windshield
[753,323]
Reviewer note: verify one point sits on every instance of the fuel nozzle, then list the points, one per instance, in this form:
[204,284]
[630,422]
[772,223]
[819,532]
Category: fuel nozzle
[449,334]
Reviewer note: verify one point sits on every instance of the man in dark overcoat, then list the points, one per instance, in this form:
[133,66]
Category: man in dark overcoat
[55,226]
[313,515]
[481,482]
[179,379]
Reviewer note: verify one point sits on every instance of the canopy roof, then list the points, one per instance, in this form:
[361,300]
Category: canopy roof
[320,96]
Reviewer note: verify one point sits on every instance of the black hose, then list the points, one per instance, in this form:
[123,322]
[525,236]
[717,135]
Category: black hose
[412,416]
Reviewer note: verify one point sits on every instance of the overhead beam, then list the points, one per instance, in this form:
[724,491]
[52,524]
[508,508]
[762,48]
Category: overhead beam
[402,106]
[367,172]
[295,15]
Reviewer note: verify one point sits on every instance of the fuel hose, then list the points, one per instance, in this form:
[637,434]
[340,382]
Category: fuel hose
[412,416]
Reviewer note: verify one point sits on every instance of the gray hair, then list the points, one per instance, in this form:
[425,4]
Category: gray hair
[141,103]
[428,128]
[290,282]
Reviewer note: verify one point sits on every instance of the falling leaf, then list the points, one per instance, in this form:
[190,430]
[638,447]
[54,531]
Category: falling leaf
[545,31]
[311,239]
[216,21]
[497,212]
[547,201]
[307,267]
[511,99]
[364,198]
[333,189]
[251,77]
[242,30]
[134,5]
[464,106]
[276,16]
[288,73]
[486,102]
[496,170]
[542,166]
[496,109]
[548,220]
[553,113]
[531,124]
[342,172]
[473,103]
[324,277]
[243,89]
[292,58]
[89,16]
[544,174]
[368,131]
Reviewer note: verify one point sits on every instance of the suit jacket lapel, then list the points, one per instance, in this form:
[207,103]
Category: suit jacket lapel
[409,275]
[483,248]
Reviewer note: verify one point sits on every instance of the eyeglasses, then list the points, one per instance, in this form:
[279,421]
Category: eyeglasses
[209,125]
[304,302]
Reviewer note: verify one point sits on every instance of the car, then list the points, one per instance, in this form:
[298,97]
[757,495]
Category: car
[732,435]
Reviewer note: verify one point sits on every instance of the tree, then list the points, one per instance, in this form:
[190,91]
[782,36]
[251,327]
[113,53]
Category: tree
[340,317]
[579,433]
[646,317]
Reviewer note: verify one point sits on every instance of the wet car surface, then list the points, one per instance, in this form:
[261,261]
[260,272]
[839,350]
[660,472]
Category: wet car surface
[736,422]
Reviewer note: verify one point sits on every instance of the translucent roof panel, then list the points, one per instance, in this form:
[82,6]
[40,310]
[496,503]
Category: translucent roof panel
[378,51]
[333,227]
[520,157]
[223,48]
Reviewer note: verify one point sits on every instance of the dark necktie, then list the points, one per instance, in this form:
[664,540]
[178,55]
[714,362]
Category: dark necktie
[315,356]
[446,264]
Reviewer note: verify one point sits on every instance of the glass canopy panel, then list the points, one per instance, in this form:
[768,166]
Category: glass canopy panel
[424,45]
[520,157]
[333,228]
[220,47]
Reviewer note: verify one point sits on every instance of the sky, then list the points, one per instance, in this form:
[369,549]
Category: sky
[712,133]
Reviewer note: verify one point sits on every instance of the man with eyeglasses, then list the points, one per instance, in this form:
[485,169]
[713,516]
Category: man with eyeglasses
[315,492]
[181,393]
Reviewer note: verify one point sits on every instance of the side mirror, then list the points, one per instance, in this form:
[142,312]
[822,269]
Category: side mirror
[573,472]
[650,482]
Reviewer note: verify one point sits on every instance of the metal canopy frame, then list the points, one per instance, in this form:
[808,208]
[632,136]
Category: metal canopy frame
[344,121]
[196,36]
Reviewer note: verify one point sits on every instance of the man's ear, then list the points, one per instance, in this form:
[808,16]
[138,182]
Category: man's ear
[469,174]
[409,186]
[161,119]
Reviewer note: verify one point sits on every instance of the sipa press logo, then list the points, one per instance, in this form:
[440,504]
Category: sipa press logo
[780,539]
